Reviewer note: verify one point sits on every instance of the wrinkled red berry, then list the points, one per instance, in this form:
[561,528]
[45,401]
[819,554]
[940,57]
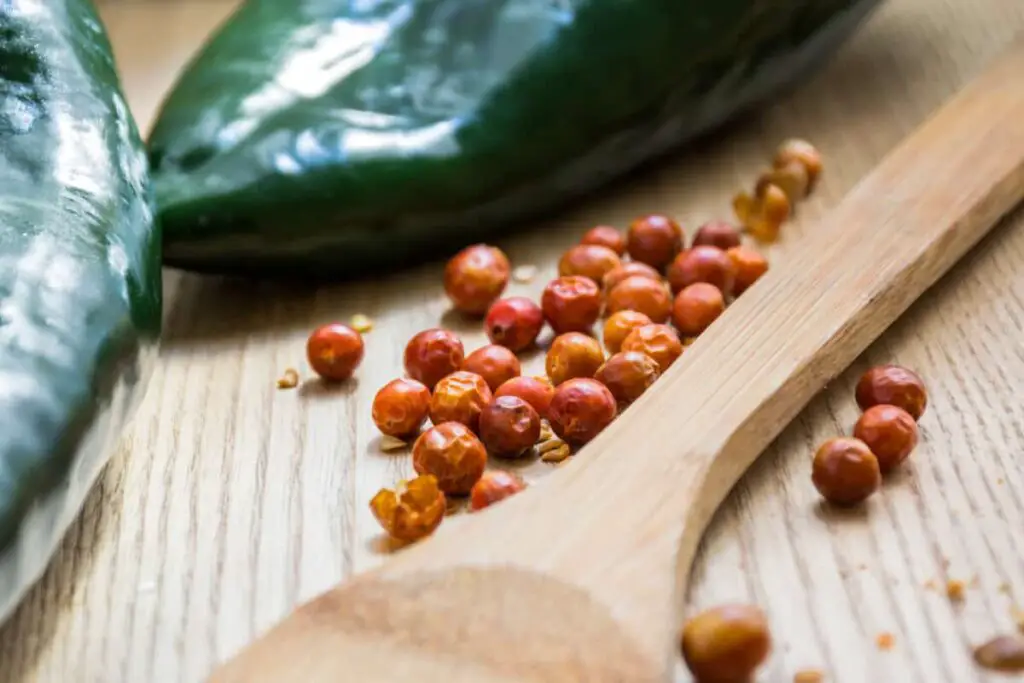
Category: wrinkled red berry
[514,322]
[750,266]
[696,307]
[580,409]
[588,260]
[628,374]
[401,407]
[606,236]
[492,487]
[702,264]
[432,355]
[660,342]
[535,391]
[654,240]
[573,354]
[717,234]
[494,363]
[475,277]
[334,351]
[626,270]
[509,426]
[890,432]
[571,303]
[451,453]
[641,294]
[895,386]
[460,397]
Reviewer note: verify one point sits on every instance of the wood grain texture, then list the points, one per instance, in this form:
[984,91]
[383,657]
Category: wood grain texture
[640,495]
[233,501]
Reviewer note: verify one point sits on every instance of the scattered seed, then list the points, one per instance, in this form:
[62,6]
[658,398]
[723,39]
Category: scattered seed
[524,274]
[955,590]
[809,676]
[391,443]
[361,323]
[549,446]
[557,455]
[885,640]
[289,380]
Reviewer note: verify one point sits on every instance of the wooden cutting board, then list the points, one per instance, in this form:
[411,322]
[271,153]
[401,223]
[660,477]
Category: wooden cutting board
[233,501]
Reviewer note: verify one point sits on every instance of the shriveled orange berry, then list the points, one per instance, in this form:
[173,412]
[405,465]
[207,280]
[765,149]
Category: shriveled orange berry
[588,260]
[509,426]
[845,471]
[628,374]
[696,307]
[334,351]
[749,264]
[534,390]
[642,294]
[401,407]
[606,236]
[494,486]
[895,386]
[660,342]
[619,325]
[580,409]
[433,354]
[475,278]
[726,644]
[573,354]
[702,264]
[890,432]
[460,397]
[571,304]
[775,206]
[764,214]
[717,234]
[617,275]
[412,511]
[654,240]
[803,152]
[453,454]
[494,363]
[792,178]
[514,322]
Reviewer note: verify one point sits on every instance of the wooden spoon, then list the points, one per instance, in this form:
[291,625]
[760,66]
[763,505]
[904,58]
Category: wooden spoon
[580,578]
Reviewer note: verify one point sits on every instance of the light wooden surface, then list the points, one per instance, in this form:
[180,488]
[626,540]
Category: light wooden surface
[586,600]
[233,501]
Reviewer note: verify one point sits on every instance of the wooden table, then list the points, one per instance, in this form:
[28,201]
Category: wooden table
[232,501]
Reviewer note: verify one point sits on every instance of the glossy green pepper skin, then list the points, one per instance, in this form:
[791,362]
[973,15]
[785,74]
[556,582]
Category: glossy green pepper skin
[331,138]
[80,288]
